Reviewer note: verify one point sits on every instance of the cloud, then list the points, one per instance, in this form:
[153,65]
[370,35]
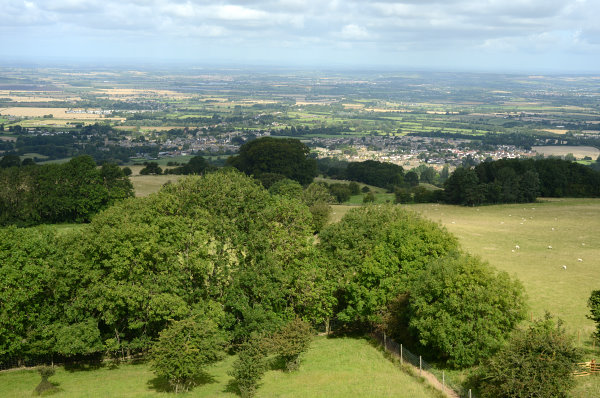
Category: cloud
[376,29]
[354,32]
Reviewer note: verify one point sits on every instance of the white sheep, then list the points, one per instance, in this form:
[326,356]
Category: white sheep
[517,247]
[564,267]
[549,247]
[580,259]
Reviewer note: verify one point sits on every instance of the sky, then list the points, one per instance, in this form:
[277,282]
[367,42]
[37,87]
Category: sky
[533,36]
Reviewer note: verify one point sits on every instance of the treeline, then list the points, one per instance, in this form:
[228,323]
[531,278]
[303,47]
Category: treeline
[520,180]
[221,249]
[57,193]
[520,139]
[371,172]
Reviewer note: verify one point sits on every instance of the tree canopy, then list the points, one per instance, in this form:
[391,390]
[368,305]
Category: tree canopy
[285,156]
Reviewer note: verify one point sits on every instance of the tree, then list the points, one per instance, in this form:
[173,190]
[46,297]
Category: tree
[536,362]
[82,338]
[462,310]
[285,156]
[184,349]
[151,168]
[291,341]
[371,253]
[369,198]
[411,179]
[594,306]
[288,188]
[341,192]
[10,161]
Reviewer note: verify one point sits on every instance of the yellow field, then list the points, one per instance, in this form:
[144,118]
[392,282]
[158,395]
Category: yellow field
[555,131]
[578,151]
[58,113]
[128,93]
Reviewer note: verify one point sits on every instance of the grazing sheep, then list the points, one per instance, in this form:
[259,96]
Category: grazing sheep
[564,267]
[549,247]
[513,250]
[580,259]
[517,247]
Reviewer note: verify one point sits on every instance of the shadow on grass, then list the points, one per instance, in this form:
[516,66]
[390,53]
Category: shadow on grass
[232,387]
[161,384]
[46,388]
[84,366]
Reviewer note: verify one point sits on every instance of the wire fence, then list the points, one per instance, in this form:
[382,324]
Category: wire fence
[406,357]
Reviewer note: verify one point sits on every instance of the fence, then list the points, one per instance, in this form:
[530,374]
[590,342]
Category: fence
[405,356]
[587,368]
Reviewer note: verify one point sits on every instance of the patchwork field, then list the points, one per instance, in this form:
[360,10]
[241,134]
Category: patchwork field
[58,113]
[332,368]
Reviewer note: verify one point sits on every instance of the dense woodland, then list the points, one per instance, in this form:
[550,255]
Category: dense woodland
[56,193]
[221,242]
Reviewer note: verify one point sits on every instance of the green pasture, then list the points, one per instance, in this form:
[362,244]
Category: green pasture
[569,226]
[332,368]
[144,185]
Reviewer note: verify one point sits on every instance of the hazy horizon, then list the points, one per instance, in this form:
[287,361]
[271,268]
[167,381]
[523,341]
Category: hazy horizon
[511,36]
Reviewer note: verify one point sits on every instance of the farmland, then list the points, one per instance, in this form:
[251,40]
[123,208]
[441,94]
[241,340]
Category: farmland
[408,119]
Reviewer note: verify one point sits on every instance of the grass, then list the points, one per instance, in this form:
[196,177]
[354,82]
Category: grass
[332,368]
[145,185]
[568,225]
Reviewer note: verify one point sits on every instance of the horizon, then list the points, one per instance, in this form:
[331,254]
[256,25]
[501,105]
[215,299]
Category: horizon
[512,37]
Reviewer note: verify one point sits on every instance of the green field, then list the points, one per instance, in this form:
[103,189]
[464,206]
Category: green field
[340,367]
[569,226]
[145,185]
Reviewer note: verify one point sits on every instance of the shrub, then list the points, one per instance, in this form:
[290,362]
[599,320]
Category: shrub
[249,367]
[45,387]
[184,349]
[536,362]
[594,305]
[291,341]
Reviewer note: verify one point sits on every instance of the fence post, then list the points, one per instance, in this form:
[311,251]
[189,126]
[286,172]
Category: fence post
[470,393]
[420,365]
[401,357]
[443,381]
[384,342]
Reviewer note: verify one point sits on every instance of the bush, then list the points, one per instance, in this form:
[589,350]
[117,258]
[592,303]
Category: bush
[45,387]
[291,341]
[594,305]
[536,362]
[184,349]
[249,367]
[369,198]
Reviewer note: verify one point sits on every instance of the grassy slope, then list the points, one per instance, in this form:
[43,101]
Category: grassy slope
[333,368]
[570,226]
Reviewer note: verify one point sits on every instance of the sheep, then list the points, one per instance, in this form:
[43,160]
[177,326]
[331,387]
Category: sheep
[564,267]
[580,259]
[549,247]
[517,247]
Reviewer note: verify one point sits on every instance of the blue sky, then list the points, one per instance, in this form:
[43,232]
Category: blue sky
[471,35]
